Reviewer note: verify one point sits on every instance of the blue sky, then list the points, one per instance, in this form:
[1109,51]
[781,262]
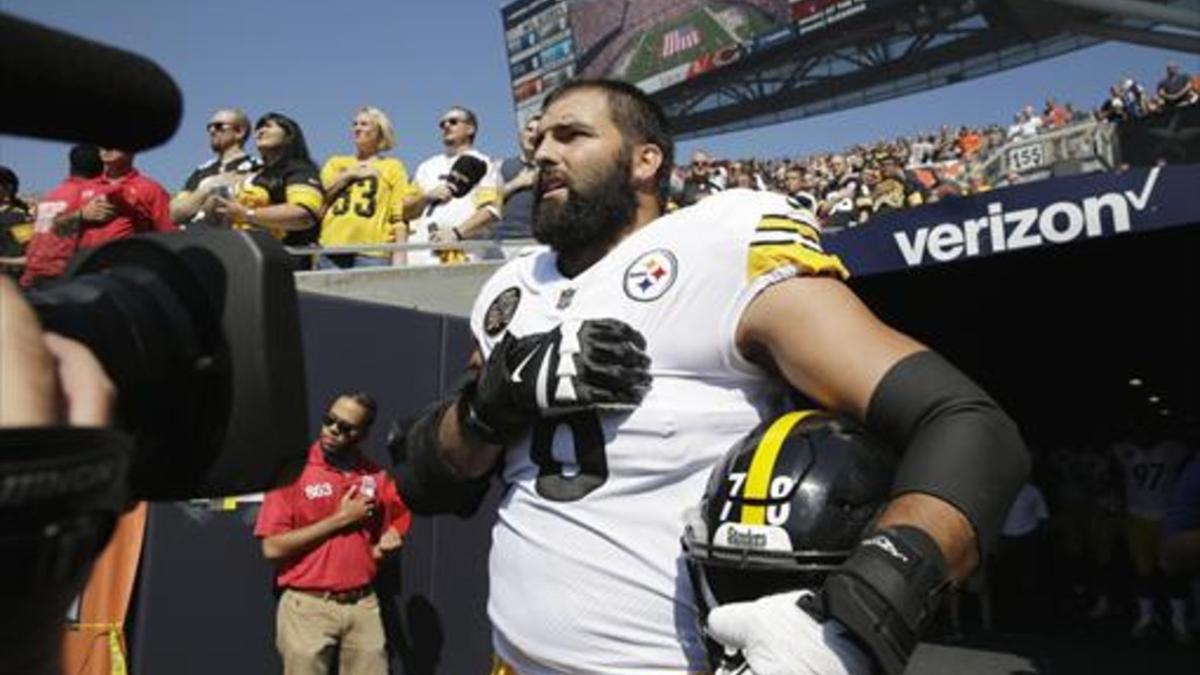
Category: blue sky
[319,60]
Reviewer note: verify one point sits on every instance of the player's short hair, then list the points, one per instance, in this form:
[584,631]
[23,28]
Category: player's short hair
[640,119]
[364,401]
[387,133]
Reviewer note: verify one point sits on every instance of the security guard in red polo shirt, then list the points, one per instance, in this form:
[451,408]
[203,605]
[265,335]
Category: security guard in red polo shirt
[327,532]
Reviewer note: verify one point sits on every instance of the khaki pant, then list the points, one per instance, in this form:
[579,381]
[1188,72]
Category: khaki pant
[311,632]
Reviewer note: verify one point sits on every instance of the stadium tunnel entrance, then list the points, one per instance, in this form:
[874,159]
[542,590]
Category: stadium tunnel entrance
[1073,340]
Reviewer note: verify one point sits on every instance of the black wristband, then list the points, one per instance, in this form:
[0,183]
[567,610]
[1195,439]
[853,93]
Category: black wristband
[887,592]
[428,485]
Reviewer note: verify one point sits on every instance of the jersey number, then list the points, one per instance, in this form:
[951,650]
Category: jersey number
[1148,475]
[363,202]
[587,435]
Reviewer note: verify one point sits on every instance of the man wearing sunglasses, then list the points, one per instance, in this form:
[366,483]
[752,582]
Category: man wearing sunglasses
[704,179]
[435,214]
[327,532]
[227,131]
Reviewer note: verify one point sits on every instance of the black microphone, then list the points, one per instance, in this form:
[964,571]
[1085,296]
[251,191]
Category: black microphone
[73,89]
[465,174]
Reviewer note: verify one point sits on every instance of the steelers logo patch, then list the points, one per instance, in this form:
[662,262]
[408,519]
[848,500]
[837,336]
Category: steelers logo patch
[500,313]
[651,275]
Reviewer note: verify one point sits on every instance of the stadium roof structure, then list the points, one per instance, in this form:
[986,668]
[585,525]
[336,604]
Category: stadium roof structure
[897,48]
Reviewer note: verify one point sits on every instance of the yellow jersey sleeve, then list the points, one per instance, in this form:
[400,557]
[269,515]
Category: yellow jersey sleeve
[397,176]
[790,239]
[302,187]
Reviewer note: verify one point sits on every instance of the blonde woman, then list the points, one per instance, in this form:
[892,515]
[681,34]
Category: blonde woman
[365,195]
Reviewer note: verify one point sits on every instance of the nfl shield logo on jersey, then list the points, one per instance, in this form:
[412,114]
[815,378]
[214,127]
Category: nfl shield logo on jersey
[651,275]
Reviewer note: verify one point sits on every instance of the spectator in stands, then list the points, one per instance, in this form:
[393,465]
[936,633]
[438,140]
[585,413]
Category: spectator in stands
[1113,109]
[227,130]
[518,176]
[797,185]
[1176,90]
[284,198]
[741,176]
[1055,114]
[1137,104]
[15,217]
[364,195]
[435,215]
[327,532]
[703,179]
[841,192]
[49,251]
[969,143]
[895,188]
[120,203]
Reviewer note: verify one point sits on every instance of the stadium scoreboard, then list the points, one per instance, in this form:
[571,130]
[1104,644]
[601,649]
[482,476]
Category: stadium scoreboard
[654,44]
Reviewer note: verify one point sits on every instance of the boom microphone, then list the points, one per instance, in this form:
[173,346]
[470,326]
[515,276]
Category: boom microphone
[131,104]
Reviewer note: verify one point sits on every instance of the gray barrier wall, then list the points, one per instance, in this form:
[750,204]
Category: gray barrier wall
[204,601]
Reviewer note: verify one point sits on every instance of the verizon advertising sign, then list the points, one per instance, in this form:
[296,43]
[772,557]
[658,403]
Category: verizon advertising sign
[1043,214]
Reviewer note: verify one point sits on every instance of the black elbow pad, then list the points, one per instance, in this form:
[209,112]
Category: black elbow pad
[427,485]
[958,444]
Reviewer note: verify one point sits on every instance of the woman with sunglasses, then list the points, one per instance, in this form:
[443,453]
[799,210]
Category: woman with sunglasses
[365,195]
[285,197]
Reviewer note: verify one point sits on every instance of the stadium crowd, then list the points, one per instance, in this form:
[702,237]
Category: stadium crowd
[847,188]
[367,196]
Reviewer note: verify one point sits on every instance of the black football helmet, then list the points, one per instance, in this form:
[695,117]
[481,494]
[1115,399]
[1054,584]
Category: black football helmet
[785,506]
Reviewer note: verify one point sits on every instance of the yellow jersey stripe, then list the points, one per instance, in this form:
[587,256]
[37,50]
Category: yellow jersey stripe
[762,466]
[790,224]
[767,256]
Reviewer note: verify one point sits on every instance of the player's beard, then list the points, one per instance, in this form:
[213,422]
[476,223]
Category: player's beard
[591,215]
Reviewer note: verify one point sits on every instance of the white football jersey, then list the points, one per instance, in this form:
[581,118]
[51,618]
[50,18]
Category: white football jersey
[586,569]
[429,174]
[1150,475]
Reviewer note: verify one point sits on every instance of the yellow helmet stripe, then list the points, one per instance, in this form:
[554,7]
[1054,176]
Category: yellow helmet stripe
[762,466]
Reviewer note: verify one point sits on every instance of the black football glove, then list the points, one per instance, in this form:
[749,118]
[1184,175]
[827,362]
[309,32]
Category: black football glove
[593,364]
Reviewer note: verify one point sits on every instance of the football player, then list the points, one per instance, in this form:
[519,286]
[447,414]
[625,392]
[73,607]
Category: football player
[617,364]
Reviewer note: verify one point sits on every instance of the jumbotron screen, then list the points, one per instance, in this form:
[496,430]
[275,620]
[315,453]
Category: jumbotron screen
[651,43]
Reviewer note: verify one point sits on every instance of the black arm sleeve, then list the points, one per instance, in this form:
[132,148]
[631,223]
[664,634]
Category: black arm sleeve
[427,485]
[960,446]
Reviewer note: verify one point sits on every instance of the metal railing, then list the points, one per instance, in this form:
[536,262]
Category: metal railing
[482,246]
[1091,143]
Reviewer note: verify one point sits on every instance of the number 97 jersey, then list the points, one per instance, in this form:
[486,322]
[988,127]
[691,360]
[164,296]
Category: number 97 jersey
[586,570]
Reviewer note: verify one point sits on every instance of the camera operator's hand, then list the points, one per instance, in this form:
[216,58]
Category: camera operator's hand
[597,363]
[48,380]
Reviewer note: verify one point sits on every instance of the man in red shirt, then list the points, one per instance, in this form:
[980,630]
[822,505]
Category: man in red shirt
[48,252]
[135,204]
[327,532]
